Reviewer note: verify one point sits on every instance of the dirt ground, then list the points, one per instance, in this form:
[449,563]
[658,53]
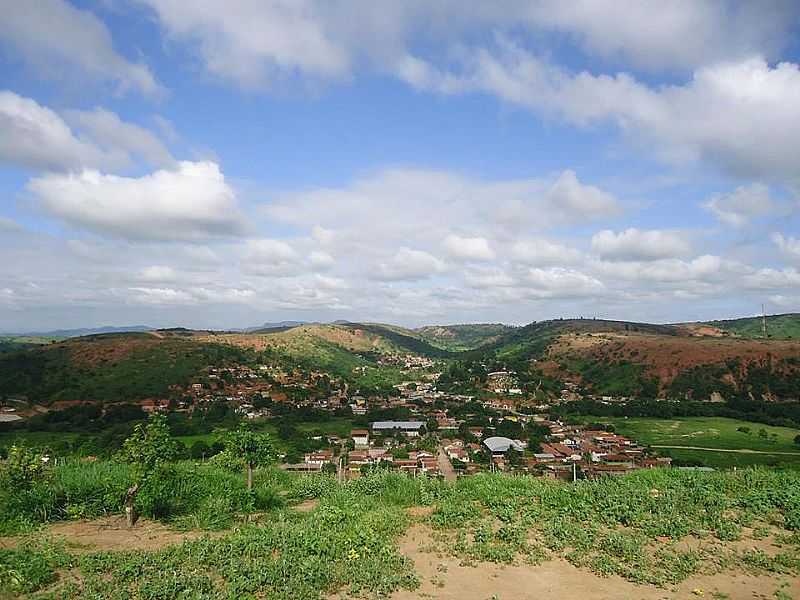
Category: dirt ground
[443,578]
[112,534]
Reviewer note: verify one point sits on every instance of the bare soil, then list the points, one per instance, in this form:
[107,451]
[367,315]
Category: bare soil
[444,578]
[112,534]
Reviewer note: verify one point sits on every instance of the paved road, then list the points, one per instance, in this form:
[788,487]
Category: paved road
[740,451]
[445,467]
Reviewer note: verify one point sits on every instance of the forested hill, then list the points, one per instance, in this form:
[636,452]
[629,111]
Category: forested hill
[458,338]
[779,327]
[617,358]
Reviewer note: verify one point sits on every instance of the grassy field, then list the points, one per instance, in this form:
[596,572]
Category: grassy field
[347,543]
[336,426]
[714,441]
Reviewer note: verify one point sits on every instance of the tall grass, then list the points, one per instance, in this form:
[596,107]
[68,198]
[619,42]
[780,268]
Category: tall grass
[211,495]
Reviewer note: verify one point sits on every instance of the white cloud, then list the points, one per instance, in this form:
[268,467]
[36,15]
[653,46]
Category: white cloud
[739,115]
[489,277]
[34,136]
[271,258]
[790,246]
[321,261]
[409,265]
[542,253]
[658,35]
[192,202]
[468,248]
[157,296]
[53,35]
[257,43]
[635,244]
[740,206]
[561,283]
[158,273]
[396,204]
[110,132]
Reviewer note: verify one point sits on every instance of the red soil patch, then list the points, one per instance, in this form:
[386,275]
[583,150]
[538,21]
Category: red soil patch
[666,356]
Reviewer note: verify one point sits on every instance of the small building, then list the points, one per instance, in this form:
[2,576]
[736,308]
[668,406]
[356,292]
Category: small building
[408,428]
[499,445]
[360,438]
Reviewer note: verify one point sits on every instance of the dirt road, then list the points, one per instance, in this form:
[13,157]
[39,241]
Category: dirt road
[445,467]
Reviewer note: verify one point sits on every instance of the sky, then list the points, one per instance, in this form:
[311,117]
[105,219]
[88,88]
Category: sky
[225,163]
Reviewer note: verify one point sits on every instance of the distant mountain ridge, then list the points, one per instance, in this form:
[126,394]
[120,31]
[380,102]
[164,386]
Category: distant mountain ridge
[80,332]
[604,357]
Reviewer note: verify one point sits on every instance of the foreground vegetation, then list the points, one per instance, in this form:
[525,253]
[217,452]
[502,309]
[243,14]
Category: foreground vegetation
[630,526]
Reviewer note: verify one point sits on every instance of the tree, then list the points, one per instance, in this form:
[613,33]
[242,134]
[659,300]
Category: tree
[513,457]
[199,450]
[253,448]
[147,450]
[24,466]
[797,440]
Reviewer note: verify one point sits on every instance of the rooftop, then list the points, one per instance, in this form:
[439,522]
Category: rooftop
[502,444]
[397,424]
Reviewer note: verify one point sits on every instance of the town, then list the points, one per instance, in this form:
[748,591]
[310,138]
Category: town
[426,431]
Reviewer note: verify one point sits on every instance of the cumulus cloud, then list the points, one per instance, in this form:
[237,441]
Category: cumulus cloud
[394,204]
[789,246]
[736,114]
[34,136]
[108,131]
[561,283]
[468,248]
[274,258]
[53,35]
[409,265]
[739,207]
[635,244]
[257,43]
[192,202]
[541,252]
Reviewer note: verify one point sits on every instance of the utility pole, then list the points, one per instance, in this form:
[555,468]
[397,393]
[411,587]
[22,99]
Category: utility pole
[764,320]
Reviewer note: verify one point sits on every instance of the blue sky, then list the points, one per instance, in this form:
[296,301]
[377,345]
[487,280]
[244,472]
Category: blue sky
[222,164]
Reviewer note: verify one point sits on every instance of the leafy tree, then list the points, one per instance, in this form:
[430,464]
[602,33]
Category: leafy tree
[743,429]
[513,457]
[797,440]
[147,450]
[253,448]
[24,466]
[329,468]
[199,450]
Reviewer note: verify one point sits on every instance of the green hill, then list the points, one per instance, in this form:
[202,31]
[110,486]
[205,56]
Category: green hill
[779,327]
[458,338]
[112,367]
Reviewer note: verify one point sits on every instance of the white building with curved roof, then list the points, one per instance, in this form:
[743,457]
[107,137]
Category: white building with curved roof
[500,445]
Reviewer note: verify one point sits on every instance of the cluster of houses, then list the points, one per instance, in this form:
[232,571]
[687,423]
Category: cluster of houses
[568,452]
